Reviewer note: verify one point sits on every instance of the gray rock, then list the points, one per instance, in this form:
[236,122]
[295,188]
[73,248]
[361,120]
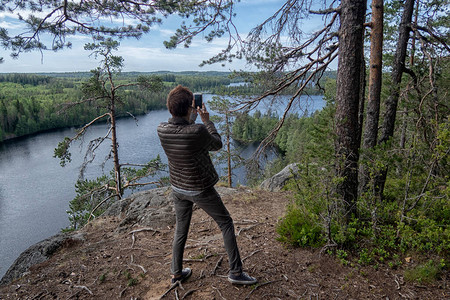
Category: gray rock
[279,180]
[147,208]
[152,208]
[38,253]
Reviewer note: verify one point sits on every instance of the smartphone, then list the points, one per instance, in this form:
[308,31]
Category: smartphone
[198,100]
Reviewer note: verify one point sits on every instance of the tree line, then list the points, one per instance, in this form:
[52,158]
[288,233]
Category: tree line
[31,103]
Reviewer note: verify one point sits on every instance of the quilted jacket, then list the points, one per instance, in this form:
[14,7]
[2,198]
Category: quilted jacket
[187,148]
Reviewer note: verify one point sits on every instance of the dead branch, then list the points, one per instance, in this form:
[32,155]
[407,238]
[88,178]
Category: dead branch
[84,288]
[133,239]
[83,129]
[188,293]
[251,254]
[245,222]
[218,291]
[246,228]
[326,11]
[140,184]
[132,263]
[122,292]
[177,283]
[274,131]
[218,263]
[98,205]
[258,286]
[144,229]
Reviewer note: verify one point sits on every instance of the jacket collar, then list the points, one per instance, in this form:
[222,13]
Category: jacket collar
[178,121]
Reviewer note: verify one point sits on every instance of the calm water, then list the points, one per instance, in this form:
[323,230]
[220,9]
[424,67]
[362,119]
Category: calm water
[35,190]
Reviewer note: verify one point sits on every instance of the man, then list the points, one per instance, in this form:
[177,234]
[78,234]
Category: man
[193,177]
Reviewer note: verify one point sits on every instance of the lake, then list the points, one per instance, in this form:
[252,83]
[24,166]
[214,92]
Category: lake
[35,190]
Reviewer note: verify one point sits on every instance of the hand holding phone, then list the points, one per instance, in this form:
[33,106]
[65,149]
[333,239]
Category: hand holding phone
[204,114]
[198,100]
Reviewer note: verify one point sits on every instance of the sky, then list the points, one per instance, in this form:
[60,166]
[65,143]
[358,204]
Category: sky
[148,53]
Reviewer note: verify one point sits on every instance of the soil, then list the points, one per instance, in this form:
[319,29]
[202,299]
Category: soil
[113,264]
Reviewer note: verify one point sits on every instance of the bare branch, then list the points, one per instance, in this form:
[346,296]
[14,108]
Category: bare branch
[326,11]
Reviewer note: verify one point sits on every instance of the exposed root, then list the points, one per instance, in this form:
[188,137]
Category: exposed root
[218,263]
[251,254]
[258,286]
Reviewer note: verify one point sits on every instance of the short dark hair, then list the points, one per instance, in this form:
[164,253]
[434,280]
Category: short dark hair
[179,100]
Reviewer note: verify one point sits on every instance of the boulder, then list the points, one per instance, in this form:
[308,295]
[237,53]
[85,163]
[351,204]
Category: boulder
[279,180]
[39,253]
[151,208]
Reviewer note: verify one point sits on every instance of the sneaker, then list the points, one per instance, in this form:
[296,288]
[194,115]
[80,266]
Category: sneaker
[185,274]
[243,278]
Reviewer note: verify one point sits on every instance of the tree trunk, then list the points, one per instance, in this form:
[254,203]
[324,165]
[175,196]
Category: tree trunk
[398,68]
[347,100]
[227,121]
[115,149]
[375,80]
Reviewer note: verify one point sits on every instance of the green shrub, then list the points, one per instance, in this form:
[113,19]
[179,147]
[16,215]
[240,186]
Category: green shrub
[298,228]
[425,273]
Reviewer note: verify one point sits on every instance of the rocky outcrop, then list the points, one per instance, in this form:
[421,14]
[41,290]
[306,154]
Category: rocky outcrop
[147,208]
[39,253]
[152,208]
[279,180]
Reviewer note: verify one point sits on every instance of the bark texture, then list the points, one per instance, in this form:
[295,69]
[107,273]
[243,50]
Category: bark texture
[387,130]
[347,100]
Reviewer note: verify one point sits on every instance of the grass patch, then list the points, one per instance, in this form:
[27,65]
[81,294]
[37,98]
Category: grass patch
[425,273]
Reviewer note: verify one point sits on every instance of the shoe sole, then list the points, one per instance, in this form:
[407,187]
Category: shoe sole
[185,278]
[242,282]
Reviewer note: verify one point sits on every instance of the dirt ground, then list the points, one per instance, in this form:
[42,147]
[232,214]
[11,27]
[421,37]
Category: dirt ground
[134,264]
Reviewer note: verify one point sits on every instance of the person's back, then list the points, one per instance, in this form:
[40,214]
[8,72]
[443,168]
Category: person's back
[193,177]
[187,148]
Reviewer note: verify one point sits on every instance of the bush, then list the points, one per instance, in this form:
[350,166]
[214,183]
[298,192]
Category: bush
[299,228]
[425,273]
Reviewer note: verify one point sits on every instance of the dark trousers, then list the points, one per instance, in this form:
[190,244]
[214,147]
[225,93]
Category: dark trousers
[210,201]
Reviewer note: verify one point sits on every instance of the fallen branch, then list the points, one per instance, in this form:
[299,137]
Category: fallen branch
[245,229]
[136,265]
[177,283]
[197,259]
[218,263]
[84,288]
[251,254]
[218,291]
[258,286]
[122,292]
[188,293]
[245,222]
[144,229]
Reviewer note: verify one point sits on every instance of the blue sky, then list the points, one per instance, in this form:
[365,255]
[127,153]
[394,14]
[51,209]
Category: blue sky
[147,53]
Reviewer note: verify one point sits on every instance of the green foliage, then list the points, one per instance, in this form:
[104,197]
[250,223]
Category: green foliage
[414,215]
[31,103]
[300,228]
[426,273]
[90,194]
[224,118]
[95,196]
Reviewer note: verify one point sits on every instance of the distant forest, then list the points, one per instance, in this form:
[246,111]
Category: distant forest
[32,103]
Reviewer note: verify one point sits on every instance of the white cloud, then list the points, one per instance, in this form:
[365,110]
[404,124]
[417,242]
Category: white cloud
[10,25]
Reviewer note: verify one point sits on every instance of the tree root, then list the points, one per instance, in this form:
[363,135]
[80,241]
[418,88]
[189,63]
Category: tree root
[251,254]
[218,263]
[258,286]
